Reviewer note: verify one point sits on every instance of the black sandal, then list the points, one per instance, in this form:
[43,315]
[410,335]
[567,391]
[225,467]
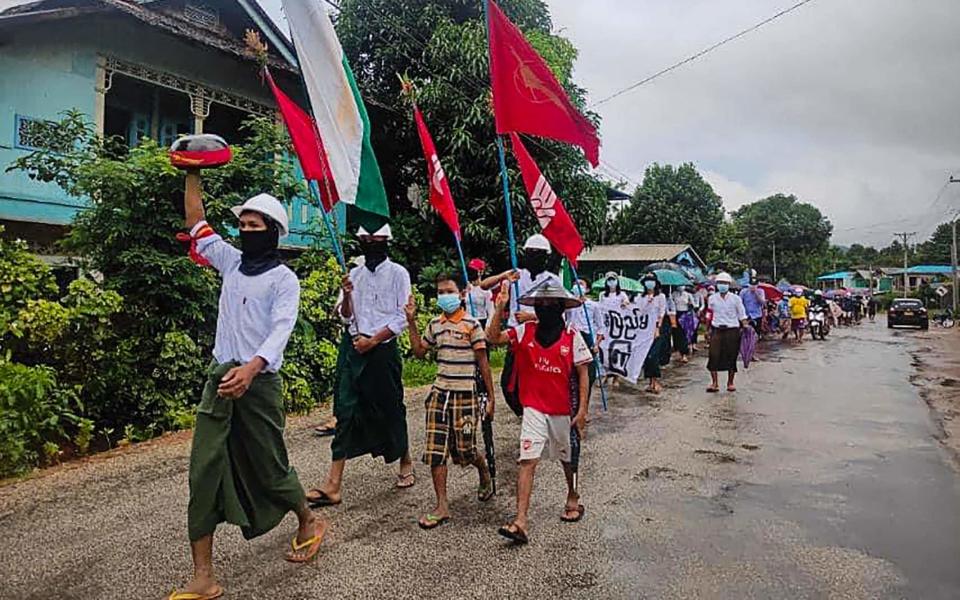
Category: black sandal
[580,509]
[321,500]
[516,535]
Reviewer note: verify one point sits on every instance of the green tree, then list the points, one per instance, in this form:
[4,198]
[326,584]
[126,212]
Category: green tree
[799,230]
[673,205]
[729,249]
[138,346]
[441,45]
[936,250]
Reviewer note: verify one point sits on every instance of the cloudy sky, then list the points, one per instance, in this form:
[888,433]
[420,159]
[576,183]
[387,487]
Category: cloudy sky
[852,105]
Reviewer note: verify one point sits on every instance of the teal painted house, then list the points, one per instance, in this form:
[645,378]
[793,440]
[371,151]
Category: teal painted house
[148,68]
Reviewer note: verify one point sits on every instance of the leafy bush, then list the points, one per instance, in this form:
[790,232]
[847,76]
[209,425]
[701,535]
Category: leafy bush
[22,277]
[34,413]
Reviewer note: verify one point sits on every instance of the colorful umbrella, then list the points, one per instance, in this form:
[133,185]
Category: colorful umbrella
[667,277]
[770,291]
[626,284]
[748,345]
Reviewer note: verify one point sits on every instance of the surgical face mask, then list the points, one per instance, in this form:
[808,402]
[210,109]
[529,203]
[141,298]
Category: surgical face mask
[374,252]
[650,285]
[448,303]
[611,284]
[723,288]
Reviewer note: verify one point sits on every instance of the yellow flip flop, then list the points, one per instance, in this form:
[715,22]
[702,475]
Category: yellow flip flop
[313,544]
[175,595]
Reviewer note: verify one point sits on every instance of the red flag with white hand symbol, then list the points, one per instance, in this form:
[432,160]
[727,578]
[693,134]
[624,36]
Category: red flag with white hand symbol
[554,219]
[440,197]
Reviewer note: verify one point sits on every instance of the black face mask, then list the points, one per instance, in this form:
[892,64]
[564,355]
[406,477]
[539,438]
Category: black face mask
[535,261]
[473,274]
[374,253]
[549,323]
[260,250]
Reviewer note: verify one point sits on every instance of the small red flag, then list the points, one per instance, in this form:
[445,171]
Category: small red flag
[554,219]
[307,144]
[527,98]
[440,196]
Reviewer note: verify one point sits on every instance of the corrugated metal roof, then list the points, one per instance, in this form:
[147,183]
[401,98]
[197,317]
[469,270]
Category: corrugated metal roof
[837,275]
[633,252]
[930,270]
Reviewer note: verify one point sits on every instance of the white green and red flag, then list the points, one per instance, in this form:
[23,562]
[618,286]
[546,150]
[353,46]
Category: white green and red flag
[337,107]
[555,221]
[440,196]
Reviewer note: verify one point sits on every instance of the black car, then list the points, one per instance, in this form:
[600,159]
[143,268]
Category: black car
[907,311]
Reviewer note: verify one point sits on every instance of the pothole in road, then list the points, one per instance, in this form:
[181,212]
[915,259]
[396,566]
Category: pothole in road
[716,456]
[656,472]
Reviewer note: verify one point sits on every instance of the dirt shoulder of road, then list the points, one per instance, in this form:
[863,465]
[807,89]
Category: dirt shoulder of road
[937,360]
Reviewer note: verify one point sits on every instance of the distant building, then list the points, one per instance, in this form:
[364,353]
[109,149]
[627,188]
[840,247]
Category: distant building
[880,279]
[135,68]
[632,260]
[918,275]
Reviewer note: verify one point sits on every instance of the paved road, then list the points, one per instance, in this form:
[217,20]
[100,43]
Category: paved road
[819,479]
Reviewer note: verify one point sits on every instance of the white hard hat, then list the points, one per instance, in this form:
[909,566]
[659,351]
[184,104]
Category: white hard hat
[537,242]
[382,232]
[724,277]
[266,205]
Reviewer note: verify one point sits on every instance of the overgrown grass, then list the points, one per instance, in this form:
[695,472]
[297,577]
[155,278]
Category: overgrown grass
[423,372]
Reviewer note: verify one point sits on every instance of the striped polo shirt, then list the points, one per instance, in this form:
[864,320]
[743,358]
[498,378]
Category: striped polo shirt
[455,338]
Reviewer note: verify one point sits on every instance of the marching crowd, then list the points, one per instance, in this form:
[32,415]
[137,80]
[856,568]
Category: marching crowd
[239,470]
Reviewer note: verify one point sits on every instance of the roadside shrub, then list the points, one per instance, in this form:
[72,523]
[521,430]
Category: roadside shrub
[23,277]
[35,412]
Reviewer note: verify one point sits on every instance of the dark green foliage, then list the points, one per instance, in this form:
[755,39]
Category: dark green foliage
[799,230]
[673,205]
[441,46]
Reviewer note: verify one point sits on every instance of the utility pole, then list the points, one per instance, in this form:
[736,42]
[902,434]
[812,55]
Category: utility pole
[775,280]
[906,281]
[953,256]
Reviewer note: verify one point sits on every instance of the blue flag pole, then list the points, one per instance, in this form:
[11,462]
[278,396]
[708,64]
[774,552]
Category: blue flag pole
[334,240]
[596,361]
[509,212]
[466,278]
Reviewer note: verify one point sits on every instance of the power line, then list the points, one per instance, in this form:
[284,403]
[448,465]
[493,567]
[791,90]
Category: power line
[701,53]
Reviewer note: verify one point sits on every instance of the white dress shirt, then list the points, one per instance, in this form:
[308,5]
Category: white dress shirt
[256,313]
[614,300]
[378,299]
[479,302]
[525,284]
[683,300]
[652,305]
[727,309]
[577,319]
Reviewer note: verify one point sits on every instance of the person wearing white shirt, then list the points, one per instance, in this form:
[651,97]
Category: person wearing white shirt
[479,301]
[612,296]
[239,470]
[683,304]
[368,391]
[728,316]
[588,320]
[536,253]
[654,302]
